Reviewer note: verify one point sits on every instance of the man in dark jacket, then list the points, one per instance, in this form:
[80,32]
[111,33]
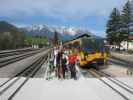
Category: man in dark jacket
[58,63]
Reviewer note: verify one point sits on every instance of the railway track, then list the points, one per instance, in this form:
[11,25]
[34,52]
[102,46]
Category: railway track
[120,62]
[17,52]
[11,87]
[124,90]
[112,77]
[9,60]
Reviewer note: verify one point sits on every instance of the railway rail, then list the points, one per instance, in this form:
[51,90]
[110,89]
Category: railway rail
[114,84]
[15,52]
[112,78]
[120,62]
[9,60]
[17,82]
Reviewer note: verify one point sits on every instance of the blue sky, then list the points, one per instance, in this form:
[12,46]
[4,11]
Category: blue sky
[88,14]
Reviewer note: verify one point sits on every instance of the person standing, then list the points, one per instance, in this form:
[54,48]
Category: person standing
[59,64]
[72,60]
[55,60]
[55,56]
[64,64]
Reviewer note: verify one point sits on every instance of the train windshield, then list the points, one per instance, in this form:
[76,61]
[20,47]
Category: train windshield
[92,44]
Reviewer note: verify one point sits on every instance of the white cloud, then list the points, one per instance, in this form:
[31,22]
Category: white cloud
[64,9]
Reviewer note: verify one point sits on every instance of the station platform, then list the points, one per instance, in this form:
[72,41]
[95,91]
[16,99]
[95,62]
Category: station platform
[81,89]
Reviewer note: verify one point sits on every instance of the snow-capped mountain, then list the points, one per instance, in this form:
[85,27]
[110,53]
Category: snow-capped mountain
[64,33]
[68,30]
[38,30]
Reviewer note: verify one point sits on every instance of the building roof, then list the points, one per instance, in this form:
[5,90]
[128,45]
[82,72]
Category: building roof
[83,35]
[80,36]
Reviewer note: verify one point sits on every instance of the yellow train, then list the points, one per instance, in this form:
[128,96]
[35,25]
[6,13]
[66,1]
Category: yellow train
[90,50]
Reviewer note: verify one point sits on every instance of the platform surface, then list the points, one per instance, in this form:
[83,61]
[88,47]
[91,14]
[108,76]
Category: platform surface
[82,89]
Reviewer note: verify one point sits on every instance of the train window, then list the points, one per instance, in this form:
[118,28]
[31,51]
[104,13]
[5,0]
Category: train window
[90,45]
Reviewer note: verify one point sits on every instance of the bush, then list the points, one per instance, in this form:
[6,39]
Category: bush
[130,51]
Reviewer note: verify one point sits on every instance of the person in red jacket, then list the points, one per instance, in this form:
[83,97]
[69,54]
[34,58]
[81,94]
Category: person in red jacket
[72,58]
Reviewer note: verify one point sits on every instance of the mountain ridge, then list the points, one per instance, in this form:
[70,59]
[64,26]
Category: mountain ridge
[64,33]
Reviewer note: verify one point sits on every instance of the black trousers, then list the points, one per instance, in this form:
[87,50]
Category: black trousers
[73,71]
[60,71]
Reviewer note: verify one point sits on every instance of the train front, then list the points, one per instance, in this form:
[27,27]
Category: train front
[92,52]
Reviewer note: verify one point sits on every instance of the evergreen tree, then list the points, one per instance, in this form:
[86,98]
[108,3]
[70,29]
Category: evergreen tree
[55,40]
[10,36]
[126,19]
[114,35]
